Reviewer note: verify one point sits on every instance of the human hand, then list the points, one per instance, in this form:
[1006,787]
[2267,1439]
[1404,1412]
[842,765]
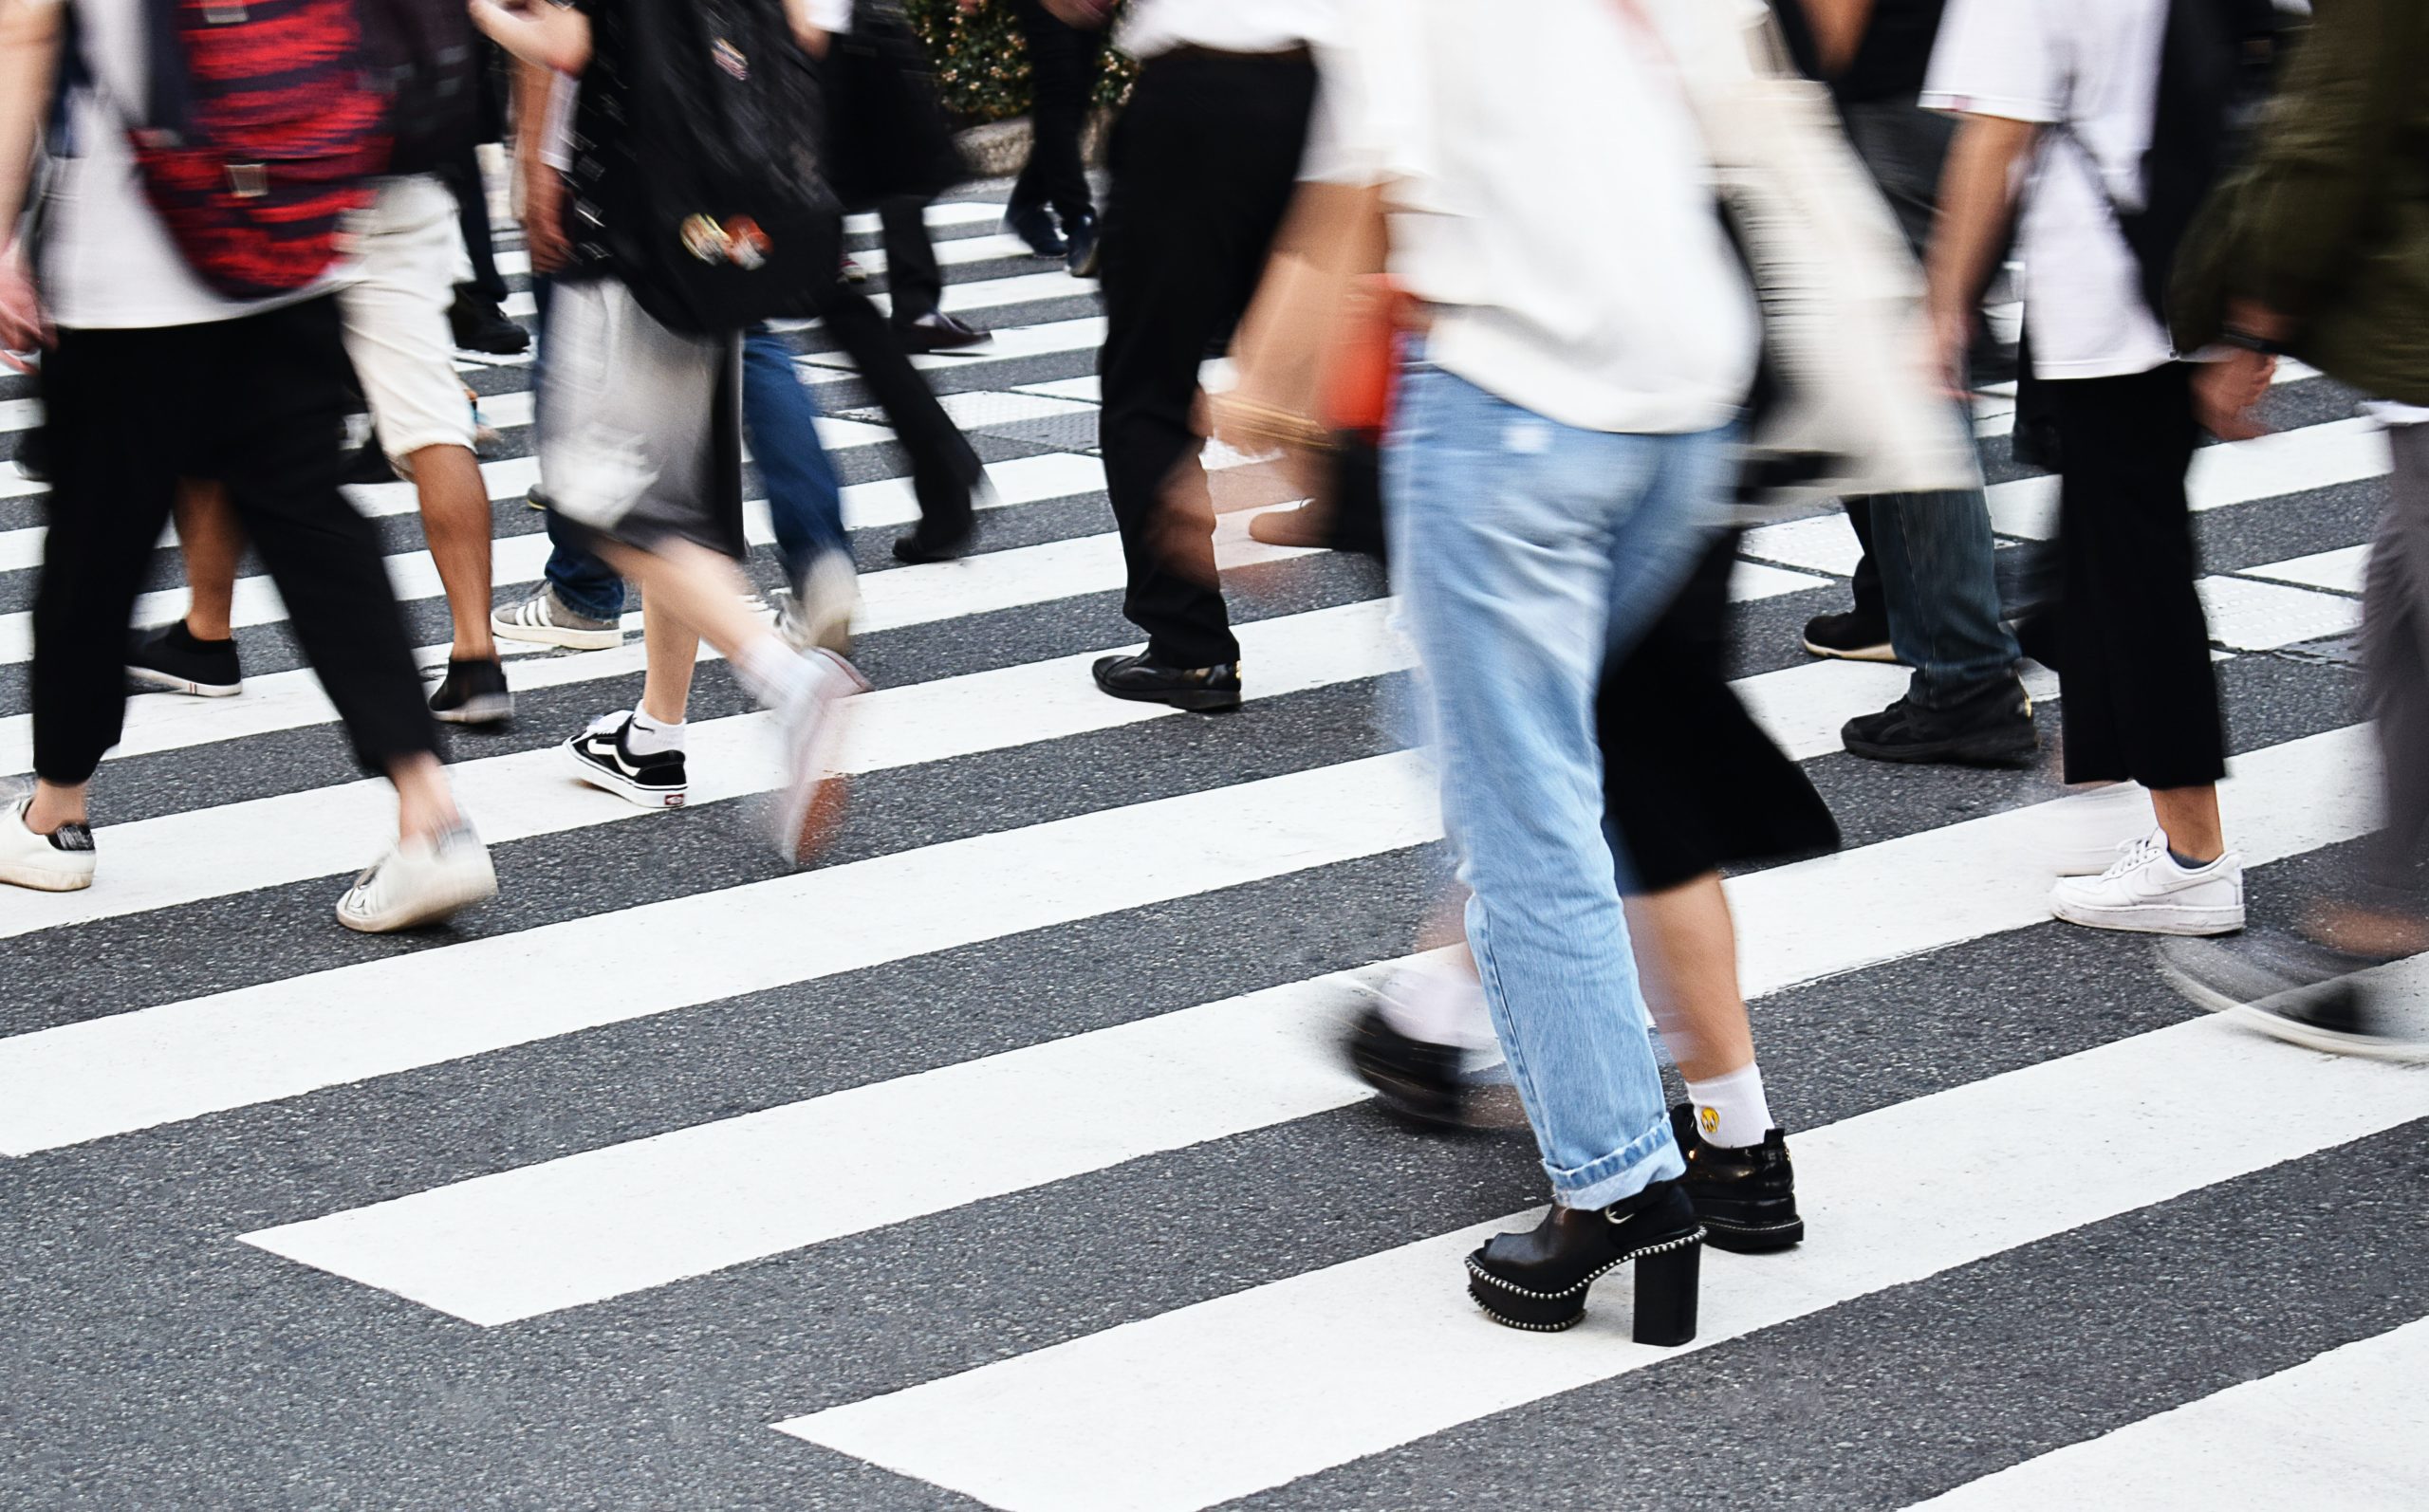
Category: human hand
[1088,14]
[543,196]
[1951,352]
[2227,394]
[23,326]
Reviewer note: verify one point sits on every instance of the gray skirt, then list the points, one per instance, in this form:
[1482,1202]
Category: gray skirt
[639,427]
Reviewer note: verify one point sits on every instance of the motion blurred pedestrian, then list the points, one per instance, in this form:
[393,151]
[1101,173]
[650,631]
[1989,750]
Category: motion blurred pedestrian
[2324,255]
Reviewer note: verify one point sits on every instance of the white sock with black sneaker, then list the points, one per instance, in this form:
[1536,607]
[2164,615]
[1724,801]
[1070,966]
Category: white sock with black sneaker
[1731,1110]
[607,755]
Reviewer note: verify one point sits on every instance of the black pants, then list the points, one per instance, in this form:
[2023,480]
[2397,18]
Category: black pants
[1063,60]
[463,177]
[258,404]
[2142,701]
[1203,162]
[944,469]
[913,280]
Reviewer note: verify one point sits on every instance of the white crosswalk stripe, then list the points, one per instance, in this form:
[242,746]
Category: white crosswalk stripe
[632,1131]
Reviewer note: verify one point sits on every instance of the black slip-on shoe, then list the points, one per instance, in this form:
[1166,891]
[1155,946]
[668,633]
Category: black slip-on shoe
[1745,1196]
[1143,679]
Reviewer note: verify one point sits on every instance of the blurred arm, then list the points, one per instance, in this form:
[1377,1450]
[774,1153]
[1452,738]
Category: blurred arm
[811,21]
[28,52]
[1976,192]
[553,36]
[1838,30]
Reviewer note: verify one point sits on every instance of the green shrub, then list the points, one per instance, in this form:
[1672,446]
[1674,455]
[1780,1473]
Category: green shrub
[982,65]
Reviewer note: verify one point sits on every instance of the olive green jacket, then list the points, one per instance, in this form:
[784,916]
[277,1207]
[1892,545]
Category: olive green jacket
[2332,223]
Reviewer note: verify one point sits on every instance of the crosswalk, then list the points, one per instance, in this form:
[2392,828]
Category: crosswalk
[1002,1159]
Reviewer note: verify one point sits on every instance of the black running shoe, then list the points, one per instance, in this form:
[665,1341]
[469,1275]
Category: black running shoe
[1990,727]
[1851,636]
[479,325]
[1414,1080]
[602,758]
[473,693]
[1143,679]
[2289,988]
[171,660]
[1746,1197]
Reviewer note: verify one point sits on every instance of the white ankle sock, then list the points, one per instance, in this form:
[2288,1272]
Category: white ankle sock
[1440,1002]
[648,737]
[775,673]
[1730,1111]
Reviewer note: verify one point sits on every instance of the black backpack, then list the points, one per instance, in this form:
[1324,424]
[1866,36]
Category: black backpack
[2215,63]
[427,60]
[728,217]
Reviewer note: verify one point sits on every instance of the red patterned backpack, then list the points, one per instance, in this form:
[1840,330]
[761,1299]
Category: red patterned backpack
[264,128]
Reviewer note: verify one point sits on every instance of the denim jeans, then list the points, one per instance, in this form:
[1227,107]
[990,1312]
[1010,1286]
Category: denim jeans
[804,502]
[1933,551]
[1526,554]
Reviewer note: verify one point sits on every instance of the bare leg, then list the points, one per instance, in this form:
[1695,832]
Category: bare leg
[672,647]
[425,805]
[1686,946]
[456,518]
[698,588]
[56,803]
[212,541]
[2190,816]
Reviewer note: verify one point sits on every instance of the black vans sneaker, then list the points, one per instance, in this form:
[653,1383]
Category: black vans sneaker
[473,693]
[170,659]
[1746,1197]
[1988,728]
[602,758]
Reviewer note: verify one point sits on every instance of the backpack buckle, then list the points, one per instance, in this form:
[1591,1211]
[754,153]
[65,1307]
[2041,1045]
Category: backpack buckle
[248,180]
[224,13]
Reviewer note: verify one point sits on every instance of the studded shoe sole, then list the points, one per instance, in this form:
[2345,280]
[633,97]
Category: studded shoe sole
[1666,1280]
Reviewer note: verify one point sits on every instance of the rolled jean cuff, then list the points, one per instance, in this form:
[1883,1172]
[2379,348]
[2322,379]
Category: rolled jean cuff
[1651,1156]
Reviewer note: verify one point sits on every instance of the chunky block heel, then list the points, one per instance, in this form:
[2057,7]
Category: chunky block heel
[1538,1280]
[1666,1284]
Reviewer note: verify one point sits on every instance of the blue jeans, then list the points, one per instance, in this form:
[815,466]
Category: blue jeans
[804,502]
[1940,581]
[1527,553]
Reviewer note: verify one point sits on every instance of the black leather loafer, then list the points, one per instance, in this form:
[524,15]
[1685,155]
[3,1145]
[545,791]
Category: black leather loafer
[1206,689]
[1746,1197]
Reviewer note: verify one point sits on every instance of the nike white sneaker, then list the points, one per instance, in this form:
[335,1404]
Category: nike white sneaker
[419,882]
[61,862]
[809,729]
[2093,829]
[2145,891]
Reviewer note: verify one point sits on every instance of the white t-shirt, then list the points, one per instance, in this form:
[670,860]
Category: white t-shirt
[107,262]
[1155,27]
[1552,199]
[2096,65]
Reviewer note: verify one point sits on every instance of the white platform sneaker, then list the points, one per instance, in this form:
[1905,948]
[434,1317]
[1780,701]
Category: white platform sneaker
[419,882]
[2145,891]
[60,862]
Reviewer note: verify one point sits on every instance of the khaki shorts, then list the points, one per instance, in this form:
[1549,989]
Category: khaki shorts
[408,258]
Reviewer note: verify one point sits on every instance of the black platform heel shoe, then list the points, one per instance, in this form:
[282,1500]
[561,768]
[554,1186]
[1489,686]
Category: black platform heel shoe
[1746,1197]
[1538,1280]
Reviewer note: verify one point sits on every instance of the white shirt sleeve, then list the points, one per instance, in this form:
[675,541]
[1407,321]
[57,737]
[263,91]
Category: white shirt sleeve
[1997,58]
[831,15]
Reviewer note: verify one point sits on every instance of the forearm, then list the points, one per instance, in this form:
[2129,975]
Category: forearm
[534,86]
[550,36]
[1838,31]
[29,54]
[1976,192]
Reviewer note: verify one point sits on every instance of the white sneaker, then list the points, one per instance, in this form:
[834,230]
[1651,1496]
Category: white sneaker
[808,728]
[818,617]
[2094,828]
[419,882]
[2146,892]
[61,862]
